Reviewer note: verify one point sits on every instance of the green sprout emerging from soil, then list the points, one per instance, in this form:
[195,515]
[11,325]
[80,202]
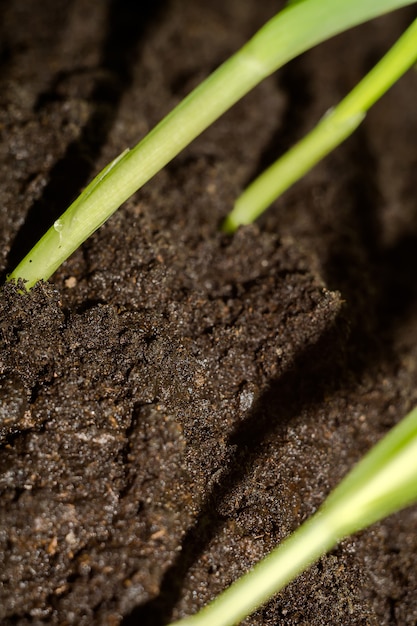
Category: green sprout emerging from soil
[299,27]
[386,478]
[383,482]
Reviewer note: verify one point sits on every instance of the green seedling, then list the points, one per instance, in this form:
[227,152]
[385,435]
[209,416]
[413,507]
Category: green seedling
[383,482]
[294,30]
[334,128]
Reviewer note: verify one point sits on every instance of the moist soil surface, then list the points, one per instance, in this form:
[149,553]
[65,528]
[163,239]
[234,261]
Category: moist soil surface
[175,401]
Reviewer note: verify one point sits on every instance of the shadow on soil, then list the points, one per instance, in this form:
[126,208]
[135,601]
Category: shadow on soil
[314,373]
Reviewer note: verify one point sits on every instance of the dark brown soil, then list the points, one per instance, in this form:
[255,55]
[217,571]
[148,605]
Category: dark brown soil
[174,402]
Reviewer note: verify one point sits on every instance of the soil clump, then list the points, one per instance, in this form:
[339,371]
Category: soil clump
[175,401]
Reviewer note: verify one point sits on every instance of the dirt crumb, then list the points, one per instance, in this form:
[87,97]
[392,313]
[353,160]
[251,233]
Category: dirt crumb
[174,401]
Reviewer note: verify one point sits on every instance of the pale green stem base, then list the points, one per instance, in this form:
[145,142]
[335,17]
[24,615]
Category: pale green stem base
[270,575]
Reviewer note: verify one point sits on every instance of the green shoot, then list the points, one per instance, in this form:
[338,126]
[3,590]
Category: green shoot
[334,128]
[383,482]
[297,28]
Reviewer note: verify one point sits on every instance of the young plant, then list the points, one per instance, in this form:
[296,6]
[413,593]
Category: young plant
[383,482]
[334,128]
[300,26]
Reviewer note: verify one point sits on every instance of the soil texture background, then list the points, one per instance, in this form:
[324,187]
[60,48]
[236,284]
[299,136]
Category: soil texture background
[174,401]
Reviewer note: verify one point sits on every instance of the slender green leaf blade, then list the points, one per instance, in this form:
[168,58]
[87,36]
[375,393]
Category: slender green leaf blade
[383,482]
[334,128]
